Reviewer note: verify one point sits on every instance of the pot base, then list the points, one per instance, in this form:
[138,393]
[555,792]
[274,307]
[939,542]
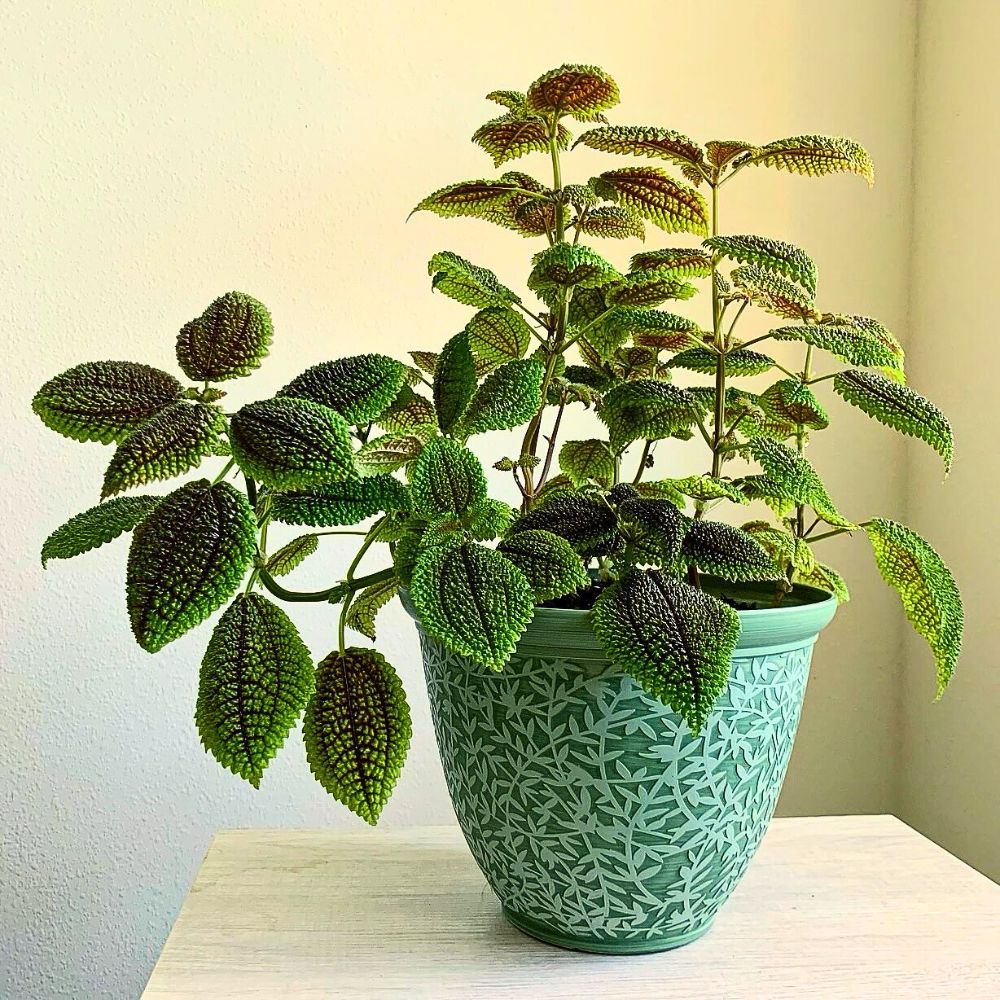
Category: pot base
[639,946]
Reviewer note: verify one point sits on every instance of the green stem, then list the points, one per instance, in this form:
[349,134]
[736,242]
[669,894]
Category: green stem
[642,463]
[332,595]
[719,430]
[222,475]
[370,539]
[801,437]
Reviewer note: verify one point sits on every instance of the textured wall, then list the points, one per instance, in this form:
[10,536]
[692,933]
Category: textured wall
[159,154]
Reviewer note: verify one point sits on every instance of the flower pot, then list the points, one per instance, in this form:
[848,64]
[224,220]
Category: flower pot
[599,820]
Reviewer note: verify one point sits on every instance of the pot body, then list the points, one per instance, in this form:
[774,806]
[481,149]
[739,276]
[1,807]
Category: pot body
[599,820]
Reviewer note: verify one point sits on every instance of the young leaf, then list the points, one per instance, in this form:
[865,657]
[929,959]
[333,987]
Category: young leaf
[899,407]
[489,519]
[365,607]
[392,451]
[612,222]
[290,443]
[721,152]
[814,154]
[467,283]
[473,599]
[359,388]
[926,588]
[656,196]
[581,91]
[104,400]
[409,413]
[289,556]
[548,562]
[645,408]
[661,528]
[348,501]
[187,559]
[496,335]
[644,140]
[584,461]
[849,344]
[565,265]
[426,361]
[168,444]
[256,677]
[826,578]
[674,640]
[773,293]
[587,523]
[447,479]
[513,135]
[509,396]
[791,401]
[454,381]
[357,730]
[513,100]
[707,488]
[97,526]
[738,362]
[771,255]
[681,262]
[727,552]
[780,545]
[228,340]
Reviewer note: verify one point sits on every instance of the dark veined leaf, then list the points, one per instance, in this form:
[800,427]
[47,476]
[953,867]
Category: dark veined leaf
[447,479]
[564,265]
[292,555]
[476,198]
[104,400]
[581,91]
[357,730]
[645,408]
[721,152]
[97,526]
[926,588]
[514,135]
[585,461]
[644,140]
[290,443]
[611,222]
[365,607]
[874,329]
[727,552]
[899,407]
[454,381]
[815,155]
[496,335]
[826,578]
[359,388]
[187,559]
[674,640]
[791,401]
[472,599]
[426,361]
[773,293]
[738,362]
[681,262]
[392,451]
[647,288]
[168,444]
[848,344]
[707,488]
[655,528]
[586,522]
[408,413]
[548,562]
[654,328]
[509,396]
[228,340]
[656,196]
[771,255]
[256,677]
[340,503]
[467,283]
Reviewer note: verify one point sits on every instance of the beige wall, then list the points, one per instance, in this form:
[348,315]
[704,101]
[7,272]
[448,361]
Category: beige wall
[950,787]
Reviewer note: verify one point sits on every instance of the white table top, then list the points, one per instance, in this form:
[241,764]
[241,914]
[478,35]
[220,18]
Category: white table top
[833,908]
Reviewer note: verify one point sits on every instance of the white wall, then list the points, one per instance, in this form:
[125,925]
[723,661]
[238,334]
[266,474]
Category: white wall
[160,154]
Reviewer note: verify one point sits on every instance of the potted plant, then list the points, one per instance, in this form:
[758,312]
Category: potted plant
[615,675]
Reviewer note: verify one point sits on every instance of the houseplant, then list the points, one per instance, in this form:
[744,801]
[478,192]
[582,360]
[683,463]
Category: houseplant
[615,676]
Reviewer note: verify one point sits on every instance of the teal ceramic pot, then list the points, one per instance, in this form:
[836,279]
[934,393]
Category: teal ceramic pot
[599,820]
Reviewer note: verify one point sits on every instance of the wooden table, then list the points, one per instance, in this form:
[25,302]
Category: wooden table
[838,907]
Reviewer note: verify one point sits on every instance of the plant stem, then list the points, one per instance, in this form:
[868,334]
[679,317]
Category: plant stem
[719,429]
[370,539]
[550,451]
[332,595]
[801,436]
[647,448]
[222,475]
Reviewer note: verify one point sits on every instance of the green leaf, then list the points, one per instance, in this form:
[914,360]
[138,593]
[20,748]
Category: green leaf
[612,222]
[409,413]
[454,381]
[899,407]
[644,140]
[228,340]
[645,408]
[656,196]
[581,91]
[514,135]
[513,100]
[815,155]
[168,444]
[771,255]
[791,401]
[359,388]
[104,400]
[489,519]
[447,479]
[739,362]
[496,335]
[773,293]
[586,522]
[826,578]
[565,265]
[926,588]
[187,559]
[674,640]
[290,556]
[291,443]
[585,461]
[348,501]
[392,451]
[473,599]
[548,562]
[654,328]
[256,677]
[849,344]
[357,730]
[476,198]
[655,528]
[647,288]
[707,488]
[780,545]
[681,262]
[727,552]
[365,607]
[97,526]
[509,396]
[425,360]
[467,283]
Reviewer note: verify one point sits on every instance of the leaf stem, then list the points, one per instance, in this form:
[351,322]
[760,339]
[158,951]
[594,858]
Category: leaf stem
[222,475]
[647,448]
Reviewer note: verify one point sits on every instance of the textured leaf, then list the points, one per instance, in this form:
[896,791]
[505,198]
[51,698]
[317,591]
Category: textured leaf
[738,362]
[899,407]
[291,443]
[290,556]
[773,293]
[408,413]
[644,140]
[514,100]
[168,444]
[514,135]
[508,397]
[848,344]
[721,152]
[780,545]
[581,91]
[926,588]
[816,155]
[793,402]
[476,198]
[681,262]
[656,196]
[447,479]
[228,340]
[187,559]
[548,562]
[674,640]
[645,408]
[496,335]
[727,552]
[489,519]
[771,255]
[425,360]
[256,677]
[104,400]
[392,451]
[564,265]
[612,222]
[348,501]
[708,488]
[467,283]
[97,526]
[654,328]
[454,381]
[473,599]
[586,522]
[874,329]
[359,388]
[584,461]
[647,288]
[826,578]
[357,730]
[655,527]
[366,605]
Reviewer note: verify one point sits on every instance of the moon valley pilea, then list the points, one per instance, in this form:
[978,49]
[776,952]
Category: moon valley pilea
[369,440]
